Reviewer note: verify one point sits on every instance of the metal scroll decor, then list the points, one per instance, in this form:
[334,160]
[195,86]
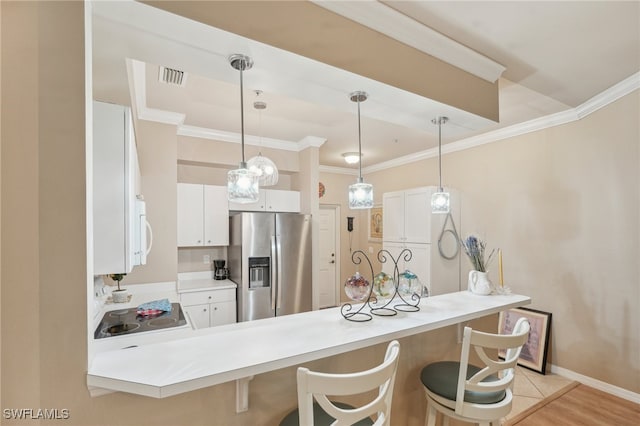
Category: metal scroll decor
[388,298]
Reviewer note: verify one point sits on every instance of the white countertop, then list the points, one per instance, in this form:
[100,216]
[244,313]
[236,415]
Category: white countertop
[201,281]
[220,354]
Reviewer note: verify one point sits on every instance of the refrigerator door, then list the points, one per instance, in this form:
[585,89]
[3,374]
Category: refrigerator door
[251,264]
[293,261]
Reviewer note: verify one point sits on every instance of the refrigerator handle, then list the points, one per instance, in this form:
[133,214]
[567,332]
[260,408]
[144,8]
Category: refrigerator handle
[273,272]
[279,275]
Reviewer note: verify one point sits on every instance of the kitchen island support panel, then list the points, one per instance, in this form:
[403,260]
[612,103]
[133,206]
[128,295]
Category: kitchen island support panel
[238,351]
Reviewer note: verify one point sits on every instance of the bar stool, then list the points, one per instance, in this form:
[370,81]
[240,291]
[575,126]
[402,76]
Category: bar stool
[475,394]
[313,385]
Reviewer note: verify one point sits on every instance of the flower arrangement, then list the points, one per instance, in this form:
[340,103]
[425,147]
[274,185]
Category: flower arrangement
[475,248]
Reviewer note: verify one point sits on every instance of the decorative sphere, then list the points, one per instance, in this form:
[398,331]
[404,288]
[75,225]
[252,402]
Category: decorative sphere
[357,287]
[409,284]
[383,285]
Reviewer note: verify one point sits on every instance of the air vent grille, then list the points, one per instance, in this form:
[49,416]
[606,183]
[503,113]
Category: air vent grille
[172,76]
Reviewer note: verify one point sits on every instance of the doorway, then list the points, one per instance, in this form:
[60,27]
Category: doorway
[329,246]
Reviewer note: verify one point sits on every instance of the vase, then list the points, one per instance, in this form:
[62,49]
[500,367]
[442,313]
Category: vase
[479,283]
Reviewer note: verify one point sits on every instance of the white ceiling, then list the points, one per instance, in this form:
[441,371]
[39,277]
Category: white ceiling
[557,55]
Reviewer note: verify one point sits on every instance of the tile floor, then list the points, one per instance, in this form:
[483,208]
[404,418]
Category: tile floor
[531,387]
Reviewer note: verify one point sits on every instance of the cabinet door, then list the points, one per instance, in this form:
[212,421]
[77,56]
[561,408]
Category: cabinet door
[250,207]
[190,215]
[223,313]
[417,215]
[282,201]
[393,216]
[199,315]
[216,216]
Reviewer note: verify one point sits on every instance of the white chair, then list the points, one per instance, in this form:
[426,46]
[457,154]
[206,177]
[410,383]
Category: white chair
[475,394]
[325,412]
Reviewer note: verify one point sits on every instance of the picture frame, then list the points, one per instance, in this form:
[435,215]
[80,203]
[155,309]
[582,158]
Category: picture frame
[375,223]
[534,351]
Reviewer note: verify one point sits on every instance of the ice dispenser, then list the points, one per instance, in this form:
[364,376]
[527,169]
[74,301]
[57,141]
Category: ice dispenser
[259,272]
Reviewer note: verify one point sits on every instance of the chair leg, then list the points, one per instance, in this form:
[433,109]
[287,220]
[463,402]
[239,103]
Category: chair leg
[430,418]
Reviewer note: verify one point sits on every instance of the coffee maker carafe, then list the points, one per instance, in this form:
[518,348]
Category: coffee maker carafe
[220,272]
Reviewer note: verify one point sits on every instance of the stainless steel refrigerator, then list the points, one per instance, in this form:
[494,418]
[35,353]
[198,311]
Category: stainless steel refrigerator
[269,258]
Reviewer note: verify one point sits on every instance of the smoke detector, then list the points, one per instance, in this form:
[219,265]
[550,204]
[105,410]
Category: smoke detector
[172,76]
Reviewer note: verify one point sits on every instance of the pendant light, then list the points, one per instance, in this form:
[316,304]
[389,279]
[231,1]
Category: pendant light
[242,183]
[265,168]
[440,199]
[360,193]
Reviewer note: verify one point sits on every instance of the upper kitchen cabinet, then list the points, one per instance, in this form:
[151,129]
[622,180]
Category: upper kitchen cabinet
[117,212]
[203,215]
[407,215]
[271,200]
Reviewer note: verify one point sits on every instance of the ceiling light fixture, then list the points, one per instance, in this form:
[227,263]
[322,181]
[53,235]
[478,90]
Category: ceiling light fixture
[265,168]
[440,199]
[242,183]
[351,157]
[360,193]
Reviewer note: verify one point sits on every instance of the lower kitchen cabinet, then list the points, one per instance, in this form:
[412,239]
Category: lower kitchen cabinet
[210,308]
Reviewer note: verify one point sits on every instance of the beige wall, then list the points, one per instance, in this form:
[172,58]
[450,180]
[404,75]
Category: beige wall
[562,203]
[579,261]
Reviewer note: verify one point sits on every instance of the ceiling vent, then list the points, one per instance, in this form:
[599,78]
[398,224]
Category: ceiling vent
[172,76]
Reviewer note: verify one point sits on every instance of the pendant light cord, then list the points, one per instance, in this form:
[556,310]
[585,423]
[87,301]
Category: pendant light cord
[440,152]
[242,65]
[359,143]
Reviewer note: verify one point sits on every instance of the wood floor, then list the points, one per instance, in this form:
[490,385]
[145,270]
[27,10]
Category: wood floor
[581,406]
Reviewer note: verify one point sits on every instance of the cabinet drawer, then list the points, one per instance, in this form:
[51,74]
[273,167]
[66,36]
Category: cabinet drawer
[209,296]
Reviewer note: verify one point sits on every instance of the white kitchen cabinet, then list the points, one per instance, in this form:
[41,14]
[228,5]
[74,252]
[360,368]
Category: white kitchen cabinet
[419,264]
[116,183]
[209,308]
[203,215]
[407,215]
[271,200]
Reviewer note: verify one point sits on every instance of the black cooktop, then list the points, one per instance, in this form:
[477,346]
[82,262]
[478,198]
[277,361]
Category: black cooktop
[126,321]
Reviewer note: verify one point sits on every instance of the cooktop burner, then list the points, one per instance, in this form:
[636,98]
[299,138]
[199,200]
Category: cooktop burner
[126,321]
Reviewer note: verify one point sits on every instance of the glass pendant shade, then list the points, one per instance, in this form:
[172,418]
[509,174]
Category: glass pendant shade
[265,169]
[440,202]
[360,195]
[242,185]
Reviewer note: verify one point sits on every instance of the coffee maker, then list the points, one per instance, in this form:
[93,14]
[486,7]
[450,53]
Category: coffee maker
[220,272]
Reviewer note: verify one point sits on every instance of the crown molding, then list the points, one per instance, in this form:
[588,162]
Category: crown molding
[311,141]
[160,116]
[337,170]
[233,137]
[603,99]
[388,21]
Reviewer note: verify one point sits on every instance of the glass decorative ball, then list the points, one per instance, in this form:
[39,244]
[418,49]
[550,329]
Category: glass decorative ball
[357,287]
[409,284]
[383,286]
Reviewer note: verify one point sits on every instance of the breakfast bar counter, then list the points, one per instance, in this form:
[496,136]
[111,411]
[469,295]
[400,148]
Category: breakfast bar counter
[221,354]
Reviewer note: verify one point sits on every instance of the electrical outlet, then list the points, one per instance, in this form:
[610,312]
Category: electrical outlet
[206,259]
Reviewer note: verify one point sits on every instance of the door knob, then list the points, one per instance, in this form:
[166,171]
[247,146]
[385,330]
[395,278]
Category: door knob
[333,261]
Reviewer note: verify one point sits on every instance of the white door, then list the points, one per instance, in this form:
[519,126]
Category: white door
[417,215]
[216,216]
[393,216]
[329,264]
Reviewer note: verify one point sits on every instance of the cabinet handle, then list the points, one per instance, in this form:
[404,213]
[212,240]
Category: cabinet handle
[199,241]
[209,241]
[204,310]
[209,297]
[215,309]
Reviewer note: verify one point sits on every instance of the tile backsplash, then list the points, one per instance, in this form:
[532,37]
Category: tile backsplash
[194,259]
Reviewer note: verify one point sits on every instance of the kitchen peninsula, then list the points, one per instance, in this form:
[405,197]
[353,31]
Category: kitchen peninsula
[212,356]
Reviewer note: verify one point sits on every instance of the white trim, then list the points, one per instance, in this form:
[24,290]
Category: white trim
[160,116]
[337,170]
[404,29]
[311,141]
[597,384]
[592,105]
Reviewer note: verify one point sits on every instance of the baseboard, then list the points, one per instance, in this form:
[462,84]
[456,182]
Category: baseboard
[597,384]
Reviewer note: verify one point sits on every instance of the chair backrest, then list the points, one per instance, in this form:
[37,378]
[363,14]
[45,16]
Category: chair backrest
[313,384]
[503,369]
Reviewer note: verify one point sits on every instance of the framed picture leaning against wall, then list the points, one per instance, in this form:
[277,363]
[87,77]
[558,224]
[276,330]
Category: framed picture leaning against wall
[534,351]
